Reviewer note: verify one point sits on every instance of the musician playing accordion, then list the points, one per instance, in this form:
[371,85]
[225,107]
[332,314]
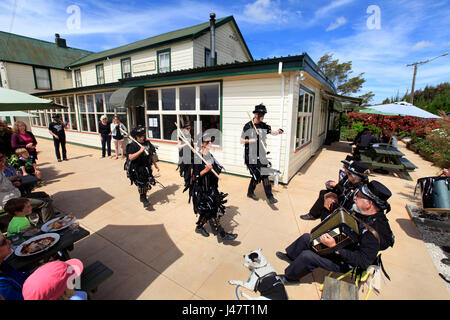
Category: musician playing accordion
[341,193]
[374,235]
[139,163]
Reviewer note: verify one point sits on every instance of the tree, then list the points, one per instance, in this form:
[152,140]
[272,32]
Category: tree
[339,74]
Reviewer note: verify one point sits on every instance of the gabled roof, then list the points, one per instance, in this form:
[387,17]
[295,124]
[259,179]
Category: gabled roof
[25,50]
[157,41]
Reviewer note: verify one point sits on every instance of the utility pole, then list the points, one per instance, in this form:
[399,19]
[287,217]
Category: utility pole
[415,64]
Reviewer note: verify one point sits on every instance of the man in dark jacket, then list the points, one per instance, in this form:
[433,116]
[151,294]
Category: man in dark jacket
[56,129]
[374,235]
[339,194]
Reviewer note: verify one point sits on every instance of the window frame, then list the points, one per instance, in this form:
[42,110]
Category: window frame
[305,117]
[170,59]
[103,72]
[76,80]
[121,67]
[35,78]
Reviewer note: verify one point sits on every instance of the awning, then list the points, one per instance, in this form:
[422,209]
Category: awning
[11,100]
[127,97]
[341,98]
[16,114]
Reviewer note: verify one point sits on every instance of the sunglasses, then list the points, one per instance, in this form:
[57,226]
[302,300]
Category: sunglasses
[361,196]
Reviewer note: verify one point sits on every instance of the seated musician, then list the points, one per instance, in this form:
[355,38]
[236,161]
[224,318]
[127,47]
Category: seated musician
[339,194]
[364,142]
[370,204]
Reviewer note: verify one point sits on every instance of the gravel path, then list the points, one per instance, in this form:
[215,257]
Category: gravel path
[434,239]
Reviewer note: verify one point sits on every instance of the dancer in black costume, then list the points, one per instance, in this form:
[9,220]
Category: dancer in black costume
[208,202]
[186,156]
[139,163]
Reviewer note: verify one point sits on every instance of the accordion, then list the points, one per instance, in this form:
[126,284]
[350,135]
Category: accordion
[340,225]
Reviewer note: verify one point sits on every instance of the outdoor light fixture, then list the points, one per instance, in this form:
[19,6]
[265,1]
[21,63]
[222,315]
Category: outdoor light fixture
[300,76]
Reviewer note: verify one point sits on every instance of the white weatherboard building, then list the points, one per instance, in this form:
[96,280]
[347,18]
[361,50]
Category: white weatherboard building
[172,77]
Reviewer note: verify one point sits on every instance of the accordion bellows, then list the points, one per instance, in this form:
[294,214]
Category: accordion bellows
[341,225]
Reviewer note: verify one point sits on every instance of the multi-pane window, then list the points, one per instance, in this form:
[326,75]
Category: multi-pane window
[126,68]
[323,116]
[42,78]
[78,78]
[100,74]
[304,118]
[163,61]
[166,106]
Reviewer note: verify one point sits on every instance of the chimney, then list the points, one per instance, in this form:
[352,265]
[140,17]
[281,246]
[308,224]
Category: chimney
[212,24]
[60,42]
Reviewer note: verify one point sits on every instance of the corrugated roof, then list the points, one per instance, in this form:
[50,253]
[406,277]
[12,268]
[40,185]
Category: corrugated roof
[21,49]
[173,36]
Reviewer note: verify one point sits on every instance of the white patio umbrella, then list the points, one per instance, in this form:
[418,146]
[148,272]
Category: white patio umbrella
[401,108]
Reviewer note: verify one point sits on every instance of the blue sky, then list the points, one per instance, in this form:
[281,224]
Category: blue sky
[408,30]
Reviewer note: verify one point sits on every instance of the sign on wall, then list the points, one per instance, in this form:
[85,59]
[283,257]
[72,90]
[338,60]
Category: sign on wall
[144,66]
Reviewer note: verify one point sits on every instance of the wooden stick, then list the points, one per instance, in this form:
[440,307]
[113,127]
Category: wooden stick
[129,136]
[193,150]
[256,130]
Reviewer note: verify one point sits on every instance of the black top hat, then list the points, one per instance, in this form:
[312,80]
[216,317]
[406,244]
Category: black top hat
[378,193]
[260,108]
[186,124]
[55,116]
[357,168]
[138,131]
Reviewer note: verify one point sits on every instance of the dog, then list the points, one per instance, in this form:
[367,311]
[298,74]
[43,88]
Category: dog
[262,279]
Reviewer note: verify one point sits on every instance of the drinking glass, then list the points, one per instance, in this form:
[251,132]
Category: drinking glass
[34,219]
[74,226]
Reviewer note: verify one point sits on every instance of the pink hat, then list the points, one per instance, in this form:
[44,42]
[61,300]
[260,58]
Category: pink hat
[49,281]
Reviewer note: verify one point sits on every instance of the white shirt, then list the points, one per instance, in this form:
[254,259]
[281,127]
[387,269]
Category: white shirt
[113,129]
[7,190]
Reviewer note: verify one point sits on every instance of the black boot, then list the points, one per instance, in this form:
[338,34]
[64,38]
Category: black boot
[252,196]
[225,236]
[202,231]
[144,200]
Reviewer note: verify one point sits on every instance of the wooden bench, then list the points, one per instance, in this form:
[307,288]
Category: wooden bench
[94,275]
[408,164]
[334,289]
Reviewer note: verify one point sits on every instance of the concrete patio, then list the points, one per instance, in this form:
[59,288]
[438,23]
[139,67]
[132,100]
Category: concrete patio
[155,253]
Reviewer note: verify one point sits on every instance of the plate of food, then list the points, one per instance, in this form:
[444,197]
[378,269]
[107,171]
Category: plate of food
[37,244]
[57,224]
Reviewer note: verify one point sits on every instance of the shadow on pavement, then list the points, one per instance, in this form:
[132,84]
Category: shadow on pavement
[409,227]
[81,202]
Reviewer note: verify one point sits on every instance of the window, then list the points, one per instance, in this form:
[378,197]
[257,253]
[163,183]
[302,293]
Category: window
[163,60]
[304,118]
[126,67]
[100,74]
[42,78]
[323,117]
[199,104]
[208,57]
[77,78]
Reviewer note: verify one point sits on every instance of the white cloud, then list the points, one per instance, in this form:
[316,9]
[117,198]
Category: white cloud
[333,5]
[422,44]
[267,12]
[338,23]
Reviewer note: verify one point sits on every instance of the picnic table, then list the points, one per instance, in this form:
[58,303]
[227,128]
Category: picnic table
[387,157]
[65,243]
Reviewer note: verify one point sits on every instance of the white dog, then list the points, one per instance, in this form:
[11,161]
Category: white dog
[263,279]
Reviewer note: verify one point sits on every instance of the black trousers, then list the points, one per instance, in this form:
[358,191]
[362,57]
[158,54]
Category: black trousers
[318,210]
[305,260]
[106,140]
[57,143]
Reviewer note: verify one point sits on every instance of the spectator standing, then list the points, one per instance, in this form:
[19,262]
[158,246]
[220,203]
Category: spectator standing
[5,138]
[118,136]
[22,138]
[104,128]
[56,129]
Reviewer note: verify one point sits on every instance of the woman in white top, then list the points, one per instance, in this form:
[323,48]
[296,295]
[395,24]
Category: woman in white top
[118,136]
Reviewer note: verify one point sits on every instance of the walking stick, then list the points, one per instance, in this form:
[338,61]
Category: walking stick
[193,150]
[132,139]
[256,130]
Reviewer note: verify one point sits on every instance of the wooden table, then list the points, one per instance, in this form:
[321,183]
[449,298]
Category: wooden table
[387,157]
[65,243]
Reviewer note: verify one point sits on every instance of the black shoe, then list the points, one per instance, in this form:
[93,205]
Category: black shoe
[307,217]
[252,196]
[59,160]
[446,261]
[228,236]
[288,282]
[146,203]
[283,256]
[65,159]
[272,200]
[446,249]
[202,231]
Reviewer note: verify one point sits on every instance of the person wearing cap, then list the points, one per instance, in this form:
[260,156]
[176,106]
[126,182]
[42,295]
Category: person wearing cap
[104,129]
[208,201]
[254,154]
[375,234]
[56,129]
[55,281]
[139,163]
[341,193]
[185,155]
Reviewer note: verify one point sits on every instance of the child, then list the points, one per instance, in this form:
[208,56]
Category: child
[19,208]
[52,282]
[27,163]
